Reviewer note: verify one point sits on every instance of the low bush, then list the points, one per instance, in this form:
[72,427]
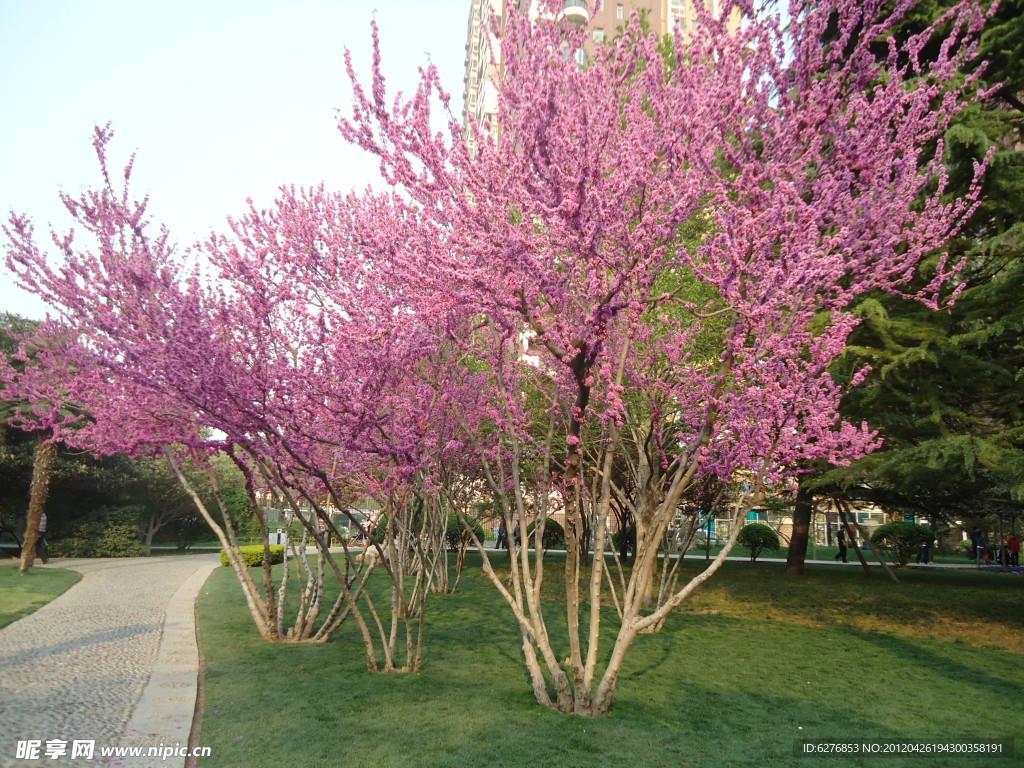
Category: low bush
[758,537]
[110,532]
[552,536]
[456,536]
[901,539]
[254,555]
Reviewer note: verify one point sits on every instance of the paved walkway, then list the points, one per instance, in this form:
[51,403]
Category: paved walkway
[850,560]
[113,660]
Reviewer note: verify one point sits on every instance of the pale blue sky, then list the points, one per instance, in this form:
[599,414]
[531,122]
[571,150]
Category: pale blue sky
[220,99]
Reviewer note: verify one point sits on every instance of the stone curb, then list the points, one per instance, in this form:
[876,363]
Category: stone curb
[164,713]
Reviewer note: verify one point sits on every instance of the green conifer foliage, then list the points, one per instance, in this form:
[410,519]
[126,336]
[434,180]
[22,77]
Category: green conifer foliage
[947,387]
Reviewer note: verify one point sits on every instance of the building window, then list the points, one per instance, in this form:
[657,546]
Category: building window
[598,35]
[581,57]
[618,11]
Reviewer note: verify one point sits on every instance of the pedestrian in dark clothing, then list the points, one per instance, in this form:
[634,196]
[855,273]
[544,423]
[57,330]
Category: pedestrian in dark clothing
[841,541]
[924,552]
[979,544]
[42,550]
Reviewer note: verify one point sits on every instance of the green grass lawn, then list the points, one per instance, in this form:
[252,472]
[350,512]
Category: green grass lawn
[21,595]
[755,661]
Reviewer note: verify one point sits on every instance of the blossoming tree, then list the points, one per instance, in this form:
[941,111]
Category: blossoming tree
[677,234]
[276,344]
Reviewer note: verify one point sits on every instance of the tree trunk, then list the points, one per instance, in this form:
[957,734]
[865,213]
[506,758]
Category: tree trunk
[586,535]
[42,470]
[262,610]
[801,531]
[151,529]
[851,536]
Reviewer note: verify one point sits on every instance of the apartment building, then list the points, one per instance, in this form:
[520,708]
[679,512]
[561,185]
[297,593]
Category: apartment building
[483,63]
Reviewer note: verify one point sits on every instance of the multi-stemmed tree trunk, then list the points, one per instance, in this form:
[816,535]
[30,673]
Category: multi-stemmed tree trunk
[580,203]
[404,551]
[563,223]
[584,683]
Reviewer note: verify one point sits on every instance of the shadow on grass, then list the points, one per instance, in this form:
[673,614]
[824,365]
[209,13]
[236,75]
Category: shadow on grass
[984,609]
[949,661]
[660,646]
[709,690]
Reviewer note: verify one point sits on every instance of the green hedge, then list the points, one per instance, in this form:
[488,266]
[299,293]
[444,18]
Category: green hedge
[107,532]
[757,537]
[901,539]
[553,535]
[254,555]
[456,535]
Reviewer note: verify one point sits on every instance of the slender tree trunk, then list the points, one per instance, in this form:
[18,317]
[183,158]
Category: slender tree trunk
[851,536]
[42,470]
[151,530]
[849,519]
[261,610]
[801,531]
[586,536]
[646,524]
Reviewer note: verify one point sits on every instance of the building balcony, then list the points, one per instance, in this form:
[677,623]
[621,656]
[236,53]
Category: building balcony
[576,11]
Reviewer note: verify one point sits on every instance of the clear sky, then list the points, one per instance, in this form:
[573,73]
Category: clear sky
[220,99]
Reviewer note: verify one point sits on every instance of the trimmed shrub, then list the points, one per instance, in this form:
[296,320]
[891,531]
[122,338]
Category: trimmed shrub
[901,539]
[456,536]
[552,536]
[758,537]
[74,545]
[121,536]
[254,555]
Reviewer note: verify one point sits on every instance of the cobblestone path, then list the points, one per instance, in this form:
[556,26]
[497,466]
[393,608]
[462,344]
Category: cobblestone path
[77,668]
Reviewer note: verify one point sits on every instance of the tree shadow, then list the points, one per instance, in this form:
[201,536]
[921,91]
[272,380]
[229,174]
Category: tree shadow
[913,653]
[46,653]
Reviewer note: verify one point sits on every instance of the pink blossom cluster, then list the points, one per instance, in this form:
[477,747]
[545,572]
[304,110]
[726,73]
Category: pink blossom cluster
[680,231]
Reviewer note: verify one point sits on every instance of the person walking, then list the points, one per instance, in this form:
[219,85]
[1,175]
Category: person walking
[841,541]
[42,550]
[979,544]
[1013,551]
[924,552]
